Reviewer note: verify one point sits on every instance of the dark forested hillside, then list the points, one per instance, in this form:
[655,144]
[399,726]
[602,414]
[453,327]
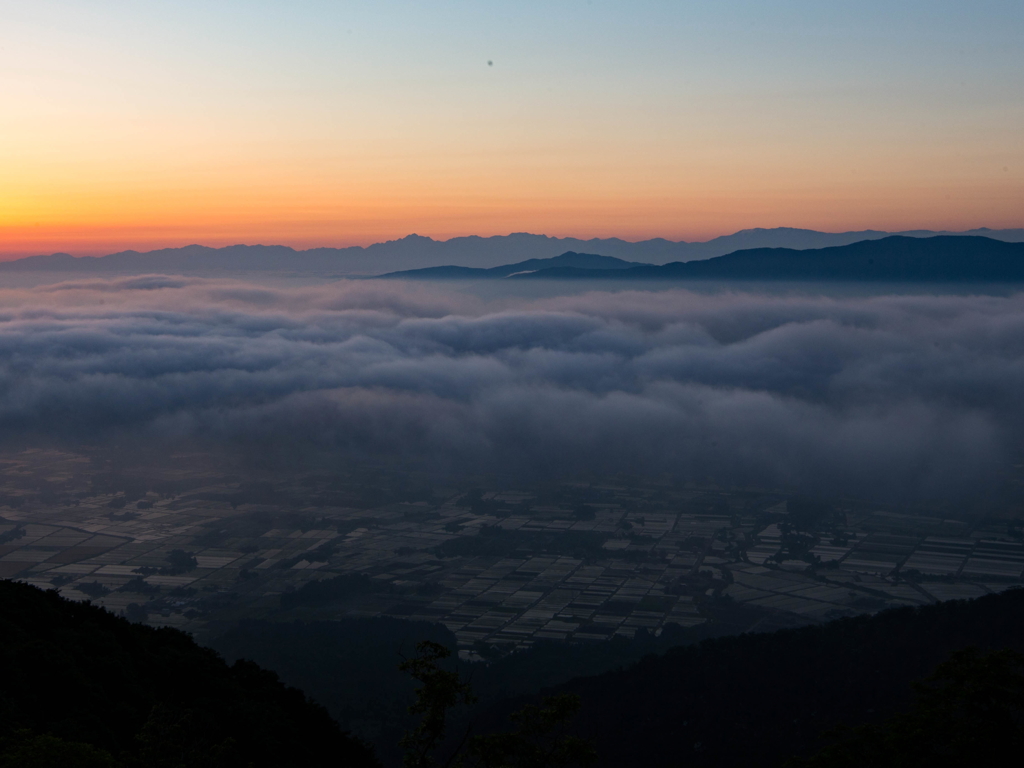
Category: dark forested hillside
[756,698]
[81,686]
[759,699]
[351,665]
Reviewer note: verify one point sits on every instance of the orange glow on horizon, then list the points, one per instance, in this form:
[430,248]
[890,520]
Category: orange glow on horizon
[295,212]
[97,238]
[114,185]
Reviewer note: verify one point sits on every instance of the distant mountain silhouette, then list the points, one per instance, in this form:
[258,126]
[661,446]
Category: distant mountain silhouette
[896,258]
[568,260]
[416,252]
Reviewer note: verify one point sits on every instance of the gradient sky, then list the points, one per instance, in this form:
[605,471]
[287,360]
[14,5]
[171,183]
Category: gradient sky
[127,124]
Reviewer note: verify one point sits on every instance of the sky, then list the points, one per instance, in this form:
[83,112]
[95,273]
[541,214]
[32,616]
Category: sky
[143,125]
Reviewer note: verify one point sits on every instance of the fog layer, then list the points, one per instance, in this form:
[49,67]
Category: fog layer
[886,396]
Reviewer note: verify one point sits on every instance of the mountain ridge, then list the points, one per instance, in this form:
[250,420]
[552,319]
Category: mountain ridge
[895,258]
[567,260]
[474,251]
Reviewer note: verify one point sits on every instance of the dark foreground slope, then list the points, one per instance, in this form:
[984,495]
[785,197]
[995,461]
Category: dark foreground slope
[891,259]
[759,699]
[350,665]
[147,696]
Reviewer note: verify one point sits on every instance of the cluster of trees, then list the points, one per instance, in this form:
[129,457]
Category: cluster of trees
[970,711]
[178,561]
[540,739]
[494,541]
[14,534]
[325,591]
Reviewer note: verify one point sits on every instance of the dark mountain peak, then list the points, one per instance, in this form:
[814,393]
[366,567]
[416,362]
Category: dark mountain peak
[51,261]
[759,230]
[191,248]
[569,259]
[891,246]
[896,258]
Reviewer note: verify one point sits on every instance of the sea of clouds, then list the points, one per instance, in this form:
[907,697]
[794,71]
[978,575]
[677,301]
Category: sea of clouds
[886,396]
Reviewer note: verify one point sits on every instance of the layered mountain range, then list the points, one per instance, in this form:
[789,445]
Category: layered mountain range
[416,252]
[895,258]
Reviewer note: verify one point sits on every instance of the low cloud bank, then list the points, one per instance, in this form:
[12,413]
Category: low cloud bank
[887,396]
